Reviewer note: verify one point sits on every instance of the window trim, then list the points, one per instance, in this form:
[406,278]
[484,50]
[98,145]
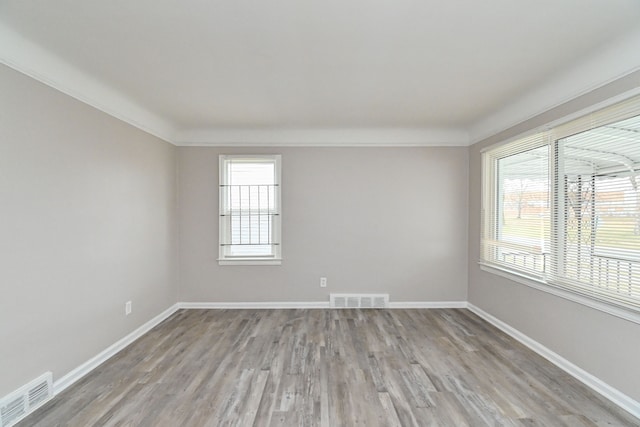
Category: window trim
[276,258]
[489,179]
[542,283]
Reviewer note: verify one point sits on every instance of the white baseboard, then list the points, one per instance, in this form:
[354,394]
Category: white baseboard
[596,384]
[254,305]
[428,304]
[313,304]
[91,364]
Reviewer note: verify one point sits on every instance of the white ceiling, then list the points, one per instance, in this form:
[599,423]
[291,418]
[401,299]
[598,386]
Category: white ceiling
[243,71]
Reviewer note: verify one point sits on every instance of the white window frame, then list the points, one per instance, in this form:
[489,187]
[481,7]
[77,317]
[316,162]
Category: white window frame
[490,195]
[224,230]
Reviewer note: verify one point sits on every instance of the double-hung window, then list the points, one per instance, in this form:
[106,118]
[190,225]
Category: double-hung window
[562,207]
[249,209]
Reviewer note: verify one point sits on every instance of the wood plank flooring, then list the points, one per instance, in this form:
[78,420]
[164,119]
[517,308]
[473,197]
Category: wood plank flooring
[327,368]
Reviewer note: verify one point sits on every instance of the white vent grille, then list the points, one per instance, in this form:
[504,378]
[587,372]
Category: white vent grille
[17,405]
[359,300]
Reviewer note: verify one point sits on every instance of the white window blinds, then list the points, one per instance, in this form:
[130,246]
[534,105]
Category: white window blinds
[597,205]
[563,206]
[516,212]
[249,207]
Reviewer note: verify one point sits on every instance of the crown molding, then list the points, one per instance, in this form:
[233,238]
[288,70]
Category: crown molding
[612,63]
[324,137]
[615,61]
[28,58]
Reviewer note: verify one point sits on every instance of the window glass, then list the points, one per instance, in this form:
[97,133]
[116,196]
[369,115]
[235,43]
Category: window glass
[249,207]
[522,215]
[563,206]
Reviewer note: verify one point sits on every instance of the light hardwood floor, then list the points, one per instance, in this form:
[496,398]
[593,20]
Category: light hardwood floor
[327,368]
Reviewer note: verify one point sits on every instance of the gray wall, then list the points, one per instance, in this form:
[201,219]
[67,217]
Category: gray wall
[603,345]
[369,219]
[87,222]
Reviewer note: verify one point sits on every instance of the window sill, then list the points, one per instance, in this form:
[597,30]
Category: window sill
[250,261]
[613,310]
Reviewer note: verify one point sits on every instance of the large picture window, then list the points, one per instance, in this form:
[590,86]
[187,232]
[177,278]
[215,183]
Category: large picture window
[562,207]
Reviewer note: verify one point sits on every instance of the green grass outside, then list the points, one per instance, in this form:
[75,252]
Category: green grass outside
[617,232]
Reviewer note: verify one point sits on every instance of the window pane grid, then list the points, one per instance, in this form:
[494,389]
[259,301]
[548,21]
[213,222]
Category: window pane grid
[249,207]
[250,214]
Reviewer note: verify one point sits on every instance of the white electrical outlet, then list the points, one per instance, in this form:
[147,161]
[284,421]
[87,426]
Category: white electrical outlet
[127,308]
[323,282]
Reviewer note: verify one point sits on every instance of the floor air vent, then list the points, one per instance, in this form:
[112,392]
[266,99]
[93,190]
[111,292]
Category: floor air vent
[25,400]
[359,300]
